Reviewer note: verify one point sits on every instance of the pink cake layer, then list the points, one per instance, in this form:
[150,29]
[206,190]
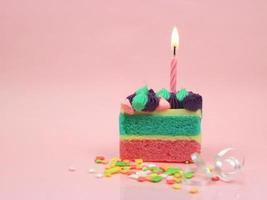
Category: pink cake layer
[159,150]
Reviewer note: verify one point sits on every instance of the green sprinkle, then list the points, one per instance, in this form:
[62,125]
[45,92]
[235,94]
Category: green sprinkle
[188,175]
[121,164]
[155,169]
[163,93]
[98,161]
[142,90]
[172,171]
[145,169]
[156,179]
[181,94]
[139,101]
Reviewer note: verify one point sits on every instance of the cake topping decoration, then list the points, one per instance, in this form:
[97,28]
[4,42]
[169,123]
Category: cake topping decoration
[163,104]
[163,93]
[151,91]
[142,90]
[175,104]
[130,97]
[181,94]
[192,102]
[127,107]
[146,100]
[139,101]
[152,103]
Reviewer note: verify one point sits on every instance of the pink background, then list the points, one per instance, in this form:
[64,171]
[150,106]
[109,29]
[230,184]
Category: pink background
[66,65]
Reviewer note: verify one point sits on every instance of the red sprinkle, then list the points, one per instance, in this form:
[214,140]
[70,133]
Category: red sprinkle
[170,182]
[129,173]
[133,167]
[215,178]
[141,179]
[100,158]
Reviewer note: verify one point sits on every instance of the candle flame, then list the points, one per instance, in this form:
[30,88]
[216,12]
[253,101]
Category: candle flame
[175,39]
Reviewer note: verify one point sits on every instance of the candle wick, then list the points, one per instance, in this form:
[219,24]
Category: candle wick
[174,50]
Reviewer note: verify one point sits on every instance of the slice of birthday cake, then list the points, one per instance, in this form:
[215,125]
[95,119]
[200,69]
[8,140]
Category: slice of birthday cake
[162,126]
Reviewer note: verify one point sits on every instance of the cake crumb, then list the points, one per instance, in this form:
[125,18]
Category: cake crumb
[99,175]
[91,171]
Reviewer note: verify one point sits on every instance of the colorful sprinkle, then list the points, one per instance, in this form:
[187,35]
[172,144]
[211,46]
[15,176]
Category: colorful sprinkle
[100,158]
[99,161]
[127,162]
[155,178]
[141,172]
[105,162]
[133,176]
[215,178]
[112,171]
[178,180]
[172,171]
[177,186]
[141,179]
[170,182]
[193,190]
[163,175]
[91,171]
[178,174]
[154,169]
[121,164]
[99,175]
[164,167]
[138,161]
[188,175]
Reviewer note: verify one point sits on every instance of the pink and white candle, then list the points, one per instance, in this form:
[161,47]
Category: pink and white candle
[174,47]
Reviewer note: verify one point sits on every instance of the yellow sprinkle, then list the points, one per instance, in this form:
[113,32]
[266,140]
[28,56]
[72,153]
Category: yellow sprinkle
[178,175]
[112,170]
[154,174]
[193,190]
[107,173]
[124,171]
[178,180]
[139,167]
[210,168]
[126,168]
[177,186]
[138,161]
[105,162]
[126,161]
[115,159]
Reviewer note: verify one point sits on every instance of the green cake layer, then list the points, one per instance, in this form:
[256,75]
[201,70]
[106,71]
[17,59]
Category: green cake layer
[173,122]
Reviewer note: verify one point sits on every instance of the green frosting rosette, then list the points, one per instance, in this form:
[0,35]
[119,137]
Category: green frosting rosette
[140,100]
[182,94]
[163,93]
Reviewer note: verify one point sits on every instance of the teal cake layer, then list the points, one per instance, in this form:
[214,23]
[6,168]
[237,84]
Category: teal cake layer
[174,125]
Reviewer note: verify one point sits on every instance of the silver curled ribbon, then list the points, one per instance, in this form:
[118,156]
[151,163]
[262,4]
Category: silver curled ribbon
[226,166]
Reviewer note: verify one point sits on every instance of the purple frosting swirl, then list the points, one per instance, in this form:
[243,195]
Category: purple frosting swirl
[153,102]
[174,103]
[192,102]
[151,91]
[130,97]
